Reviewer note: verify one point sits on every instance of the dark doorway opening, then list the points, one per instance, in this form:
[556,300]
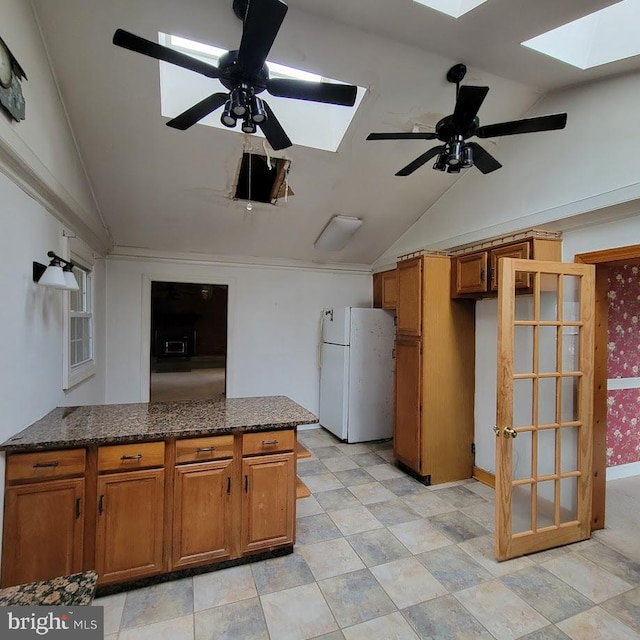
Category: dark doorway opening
[188,341]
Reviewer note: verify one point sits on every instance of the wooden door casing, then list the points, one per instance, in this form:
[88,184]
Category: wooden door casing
[555,528]
[43,534]
[202,517]
[130,522]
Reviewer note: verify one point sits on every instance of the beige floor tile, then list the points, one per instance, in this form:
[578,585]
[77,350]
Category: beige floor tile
[355,520]
[486,492]
[597,623]
[322,482]
[501,612]
[586,577]
[384,471]
[308,506]
[419,536]
[298,613]
[353,449]
[343,463]
[175,629]
[481,550]
[371,492]
[483,514]
[243,620]
[113,607]
[407,582]
[427,504]
[223,587]
[390,627]
[330,558]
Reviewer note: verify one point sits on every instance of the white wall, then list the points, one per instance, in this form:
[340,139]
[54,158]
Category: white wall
[273,323]
[545,176]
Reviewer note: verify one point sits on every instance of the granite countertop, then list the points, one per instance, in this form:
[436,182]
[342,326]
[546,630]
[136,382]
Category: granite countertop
[71,591]
[112,423]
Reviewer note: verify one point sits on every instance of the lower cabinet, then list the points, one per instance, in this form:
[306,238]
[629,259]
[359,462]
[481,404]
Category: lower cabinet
[202,517]
[130,519]
[43,531]
[408,403]
[268,501]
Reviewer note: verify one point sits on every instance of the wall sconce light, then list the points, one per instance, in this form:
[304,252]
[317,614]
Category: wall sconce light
[337,233]
[58,275]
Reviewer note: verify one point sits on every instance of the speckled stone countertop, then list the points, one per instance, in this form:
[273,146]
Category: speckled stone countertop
[71,591]
[112,423]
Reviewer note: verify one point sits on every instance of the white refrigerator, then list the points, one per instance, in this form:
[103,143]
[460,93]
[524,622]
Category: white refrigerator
[356,376]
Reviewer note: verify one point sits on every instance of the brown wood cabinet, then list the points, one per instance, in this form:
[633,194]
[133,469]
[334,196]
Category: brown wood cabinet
[129,532]
[43,530]
[435,354]
[385,289]
[475,274]
[268,501]
[202,515]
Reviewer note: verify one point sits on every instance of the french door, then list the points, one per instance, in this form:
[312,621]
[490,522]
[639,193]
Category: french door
[544,406]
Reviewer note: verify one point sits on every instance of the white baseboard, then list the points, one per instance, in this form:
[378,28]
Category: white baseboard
[308,427]
[623,471]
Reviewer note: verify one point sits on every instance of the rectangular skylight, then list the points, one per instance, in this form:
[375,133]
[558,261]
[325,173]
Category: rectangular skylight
[599,38]
[455,8]
[180,89]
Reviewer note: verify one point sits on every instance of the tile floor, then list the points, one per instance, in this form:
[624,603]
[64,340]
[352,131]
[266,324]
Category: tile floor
[379,556]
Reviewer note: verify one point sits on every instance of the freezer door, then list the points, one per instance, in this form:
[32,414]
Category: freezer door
[371,375]
[334,394]
[335,325]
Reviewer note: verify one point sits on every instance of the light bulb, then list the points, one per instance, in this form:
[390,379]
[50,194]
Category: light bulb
[249,206]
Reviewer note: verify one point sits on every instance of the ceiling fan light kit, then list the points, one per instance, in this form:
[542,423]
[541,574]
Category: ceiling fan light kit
[453,130]
[244,73]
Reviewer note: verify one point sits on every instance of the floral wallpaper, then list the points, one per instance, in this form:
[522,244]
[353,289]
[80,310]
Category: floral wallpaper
[623,414]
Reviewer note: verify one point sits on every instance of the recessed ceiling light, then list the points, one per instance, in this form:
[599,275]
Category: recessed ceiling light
[455,8]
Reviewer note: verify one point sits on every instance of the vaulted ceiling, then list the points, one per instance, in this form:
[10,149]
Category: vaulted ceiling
[166,190]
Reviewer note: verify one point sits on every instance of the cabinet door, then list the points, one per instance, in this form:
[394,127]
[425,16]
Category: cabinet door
[407,425]
[409,307]
[201,513]
[43,529]
[518,250]
[129,531]
[389,289]
[268,501]
[470,273]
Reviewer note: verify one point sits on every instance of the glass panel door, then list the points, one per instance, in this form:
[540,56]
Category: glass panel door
[544,408]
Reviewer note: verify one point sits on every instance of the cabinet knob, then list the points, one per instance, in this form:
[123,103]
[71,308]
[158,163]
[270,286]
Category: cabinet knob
[205,449]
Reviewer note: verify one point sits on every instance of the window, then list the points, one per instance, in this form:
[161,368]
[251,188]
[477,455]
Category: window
[79,358]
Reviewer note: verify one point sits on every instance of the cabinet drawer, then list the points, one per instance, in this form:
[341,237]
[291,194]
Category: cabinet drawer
[267,442]
[127,457]
[42,465]
[202,449]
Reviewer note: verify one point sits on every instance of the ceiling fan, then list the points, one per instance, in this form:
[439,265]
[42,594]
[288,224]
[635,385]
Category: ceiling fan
[456,153]
[245,74]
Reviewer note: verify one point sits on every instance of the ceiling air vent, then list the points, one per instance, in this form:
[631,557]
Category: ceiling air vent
[259,183]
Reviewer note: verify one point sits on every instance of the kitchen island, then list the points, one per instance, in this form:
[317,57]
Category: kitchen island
[150,491]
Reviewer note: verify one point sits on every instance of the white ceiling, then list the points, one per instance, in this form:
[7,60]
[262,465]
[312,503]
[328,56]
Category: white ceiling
[166,190]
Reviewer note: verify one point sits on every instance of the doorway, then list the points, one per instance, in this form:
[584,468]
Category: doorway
[188,350]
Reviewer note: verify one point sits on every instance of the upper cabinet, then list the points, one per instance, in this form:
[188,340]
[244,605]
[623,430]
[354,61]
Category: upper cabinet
[475,271]
[385,289]
[409,307]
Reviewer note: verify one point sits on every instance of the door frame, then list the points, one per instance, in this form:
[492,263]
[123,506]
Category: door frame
[145,325]
[602,260]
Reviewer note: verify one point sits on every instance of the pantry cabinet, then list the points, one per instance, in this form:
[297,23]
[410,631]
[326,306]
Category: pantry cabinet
[434,384]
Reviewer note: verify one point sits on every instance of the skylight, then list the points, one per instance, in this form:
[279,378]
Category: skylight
[310,124]
[599,38]
[455,8]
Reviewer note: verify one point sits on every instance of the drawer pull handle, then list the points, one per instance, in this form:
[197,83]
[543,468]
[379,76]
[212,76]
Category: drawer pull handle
[138,456]
[228,484]
[264,442]
[246,483]
[101,504]
[205,449]
[77,508]
[42,465]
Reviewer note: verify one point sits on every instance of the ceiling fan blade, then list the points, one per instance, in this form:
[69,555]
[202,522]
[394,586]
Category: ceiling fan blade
[418,162]
[198,111]
[130,41]
[273,130]
[329,92]
[261,25]
[526,125]
[468,104]
[483,160]
[402,136]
